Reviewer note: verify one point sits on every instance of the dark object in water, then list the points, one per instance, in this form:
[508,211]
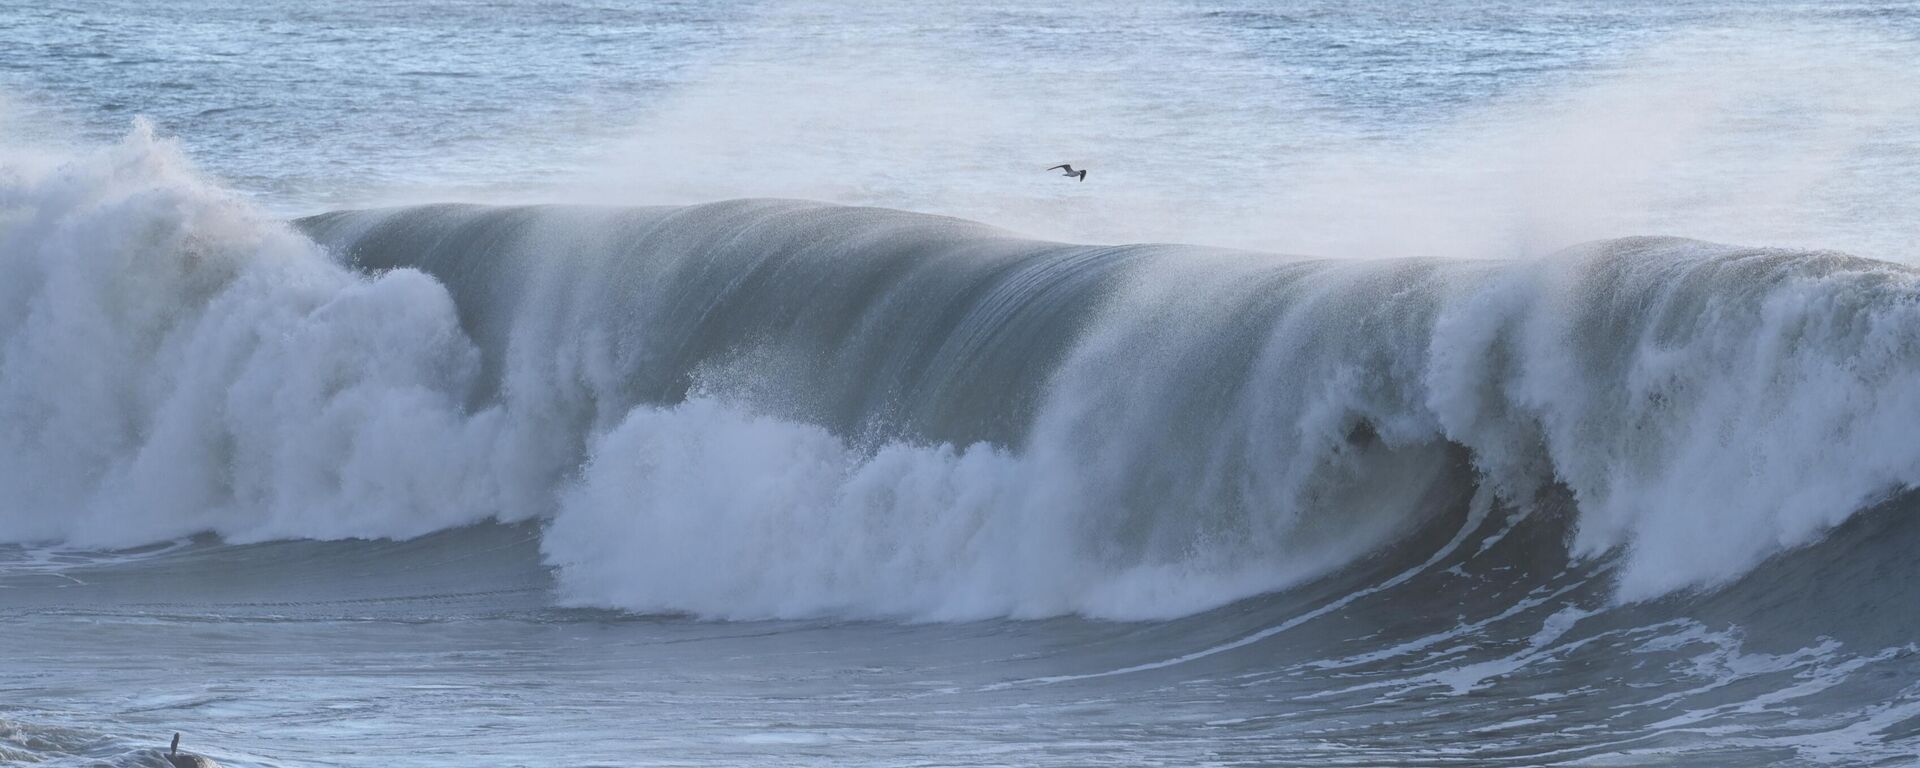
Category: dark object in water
[187,759]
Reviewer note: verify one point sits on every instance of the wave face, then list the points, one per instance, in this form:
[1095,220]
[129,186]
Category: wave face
[765,408]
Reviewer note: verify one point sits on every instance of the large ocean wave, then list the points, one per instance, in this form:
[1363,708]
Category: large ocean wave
[770,408]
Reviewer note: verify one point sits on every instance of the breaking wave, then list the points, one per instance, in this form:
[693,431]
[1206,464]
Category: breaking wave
[768,408]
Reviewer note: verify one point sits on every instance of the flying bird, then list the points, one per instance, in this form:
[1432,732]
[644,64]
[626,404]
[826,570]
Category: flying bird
[1068,167]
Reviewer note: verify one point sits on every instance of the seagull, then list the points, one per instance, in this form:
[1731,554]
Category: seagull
[1068,167]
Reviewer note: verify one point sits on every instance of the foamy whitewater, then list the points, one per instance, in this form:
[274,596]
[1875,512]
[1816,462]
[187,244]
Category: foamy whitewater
[793,423]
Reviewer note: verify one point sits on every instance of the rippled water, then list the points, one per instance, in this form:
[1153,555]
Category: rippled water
[1458,128]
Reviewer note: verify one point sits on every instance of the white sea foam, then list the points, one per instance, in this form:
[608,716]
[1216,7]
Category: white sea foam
[173,362]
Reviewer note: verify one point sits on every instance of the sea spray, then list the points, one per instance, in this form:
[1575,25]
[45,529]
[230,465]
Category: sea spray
[173,362]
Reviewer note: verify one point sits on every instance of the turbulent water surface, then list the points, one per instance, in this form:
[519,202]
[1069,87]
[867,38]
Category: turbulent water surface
[724,384]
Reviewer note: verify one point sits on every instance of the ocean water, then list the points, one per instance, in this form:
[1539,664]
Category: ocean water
[573,384]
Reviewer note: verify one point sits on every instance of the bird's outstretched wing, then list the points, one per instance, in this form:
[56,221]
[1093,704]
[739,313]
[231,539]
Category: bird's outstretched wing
[1083,175]
[1068,166]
